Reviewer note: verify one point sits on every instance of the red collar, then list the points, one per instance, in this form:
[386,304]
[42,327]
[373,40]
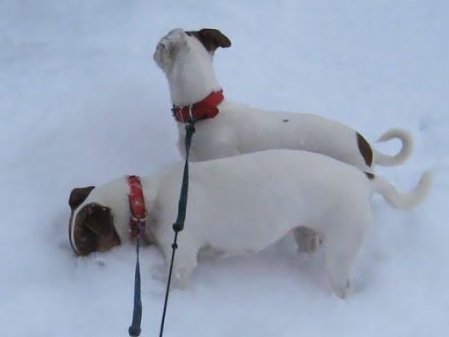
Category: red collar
[205,109]
[137,207]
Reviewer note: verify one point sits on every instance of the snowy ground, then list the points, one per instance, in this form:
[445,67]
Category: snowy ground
[81,102]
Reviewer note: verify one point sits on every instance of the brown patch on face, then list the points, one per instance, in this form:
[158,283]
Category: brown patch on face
[365,149]
[370,175]
[94,230]
[76,198]
[211,38]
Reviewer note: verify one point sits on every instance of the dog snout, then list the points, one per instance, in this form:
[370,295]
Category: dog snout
[157,55]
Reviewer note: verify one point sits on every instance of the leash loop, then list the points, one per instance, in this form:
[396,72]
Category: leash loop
[178,226]
[134,330]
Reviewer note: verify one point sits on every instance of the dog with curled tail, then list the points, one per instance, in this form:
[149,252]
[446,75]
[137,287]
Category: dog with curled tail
[243,204]
[226,128]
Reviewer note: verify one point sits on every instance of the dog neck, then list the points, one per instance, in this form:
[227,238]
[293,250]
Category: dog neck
[192,78]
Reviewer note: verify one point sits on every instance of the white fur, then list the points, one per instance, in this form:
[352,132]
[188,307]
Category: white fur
[241,129]
[245,203]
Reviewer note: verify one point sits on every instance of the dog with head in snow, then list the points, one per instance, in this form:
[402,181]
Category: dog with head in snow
[227,128]
[243,204]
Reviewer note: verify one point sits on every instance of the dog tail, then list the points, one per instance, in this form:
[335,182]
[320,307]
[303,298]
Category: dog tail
[406,149]
[406,200]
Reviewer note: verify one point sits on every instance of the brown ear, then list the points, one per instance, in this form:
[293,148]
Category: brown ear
[211,38]
[99,220]
[78,195]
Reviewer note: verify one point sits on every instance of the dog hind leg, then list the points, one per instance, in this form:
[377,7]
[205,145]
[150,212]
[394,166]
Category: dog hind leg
[307,239]
[342,244]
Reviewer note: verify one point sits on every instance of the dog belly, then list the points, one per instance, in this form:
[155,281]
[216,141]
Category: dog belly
[238,243]
[224,250]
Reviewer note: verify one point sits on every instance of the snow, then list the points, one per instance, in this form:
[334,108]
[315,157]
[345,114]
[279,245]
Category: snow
[82,102]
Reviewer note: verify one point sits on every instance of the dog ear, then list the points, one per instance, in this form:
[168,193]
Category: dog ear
[78,195]
[99,220]
[211,38]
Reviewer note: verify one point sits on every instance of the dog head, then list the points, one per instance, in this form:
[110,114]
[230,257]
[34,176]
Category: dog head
[178,43]
[91,226]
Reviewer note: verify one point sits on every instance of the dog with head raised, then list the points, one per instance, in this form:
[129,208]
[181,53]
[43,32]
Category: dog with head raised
[243,204]
[226,128]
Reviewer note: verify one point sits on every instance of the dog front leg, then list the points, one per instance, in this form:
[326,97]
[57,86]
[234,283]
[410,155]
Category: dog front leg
[184,264]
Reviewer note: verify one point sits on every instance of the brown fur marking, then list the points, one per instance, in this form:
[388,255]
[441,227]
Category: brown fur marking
[94,230]
[365,149]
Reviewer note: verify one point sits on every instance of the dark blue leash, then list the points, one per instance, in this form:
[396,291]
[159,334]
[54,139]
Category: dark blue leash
[134,330]
[180,219]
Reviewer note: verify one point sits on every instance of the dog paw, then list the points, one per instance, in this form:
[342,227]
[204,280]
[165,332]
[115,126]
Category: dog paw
[159,272]
[181,278]
[304,256]
[343,291]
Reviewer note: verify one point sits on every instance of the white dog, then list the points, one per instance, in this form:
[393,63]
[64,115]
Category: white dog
[243,204]
[229,128]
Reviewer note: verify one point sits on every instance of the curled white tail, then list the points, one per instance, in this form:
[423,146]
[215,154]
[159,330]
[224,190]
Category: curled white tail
[406,200]
[406,148]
